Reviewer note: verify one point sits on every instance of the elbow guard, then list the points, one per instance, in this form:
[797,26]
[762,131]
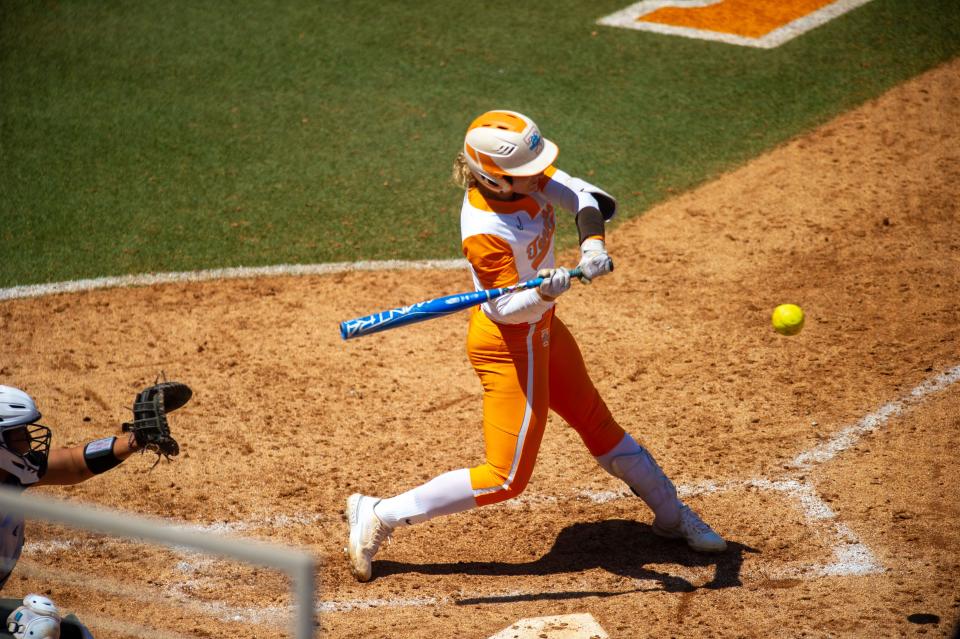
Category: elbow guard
[605,202]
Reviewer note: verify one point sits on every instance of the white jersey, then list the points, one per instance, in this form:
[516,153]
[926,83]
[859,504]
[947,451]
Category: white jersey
[507,242]
[11,544]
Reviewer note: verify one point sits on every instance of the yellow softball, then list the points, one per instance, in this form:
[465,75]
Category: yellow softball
[787,319]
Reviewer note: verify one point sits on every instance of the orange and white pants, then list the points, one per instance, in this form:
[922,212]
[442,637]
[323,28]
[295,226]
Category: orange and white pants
[527,370]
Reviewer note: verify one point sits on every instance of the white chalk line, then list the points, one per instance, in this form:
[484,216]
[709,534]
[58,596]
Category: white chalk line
[113,588]
[125,628]
[851,557]
[239,272]
[266,522]
[849,436]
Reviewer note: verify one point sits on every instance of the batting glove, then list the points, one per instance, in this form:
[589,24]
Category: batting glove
[556,281]
[594,260]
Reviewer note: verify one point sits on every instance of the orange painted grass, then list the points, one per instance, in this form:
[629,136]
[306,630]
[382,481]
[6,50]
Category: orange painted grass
[747,18]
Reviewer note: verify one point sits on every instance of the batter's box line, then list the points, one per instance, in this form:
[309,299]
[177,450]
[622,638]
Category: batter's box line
[849,436]
[851,556]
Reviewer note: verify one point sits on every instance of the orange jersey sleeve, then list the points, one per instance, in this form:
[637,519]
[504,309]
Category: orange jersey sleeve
[492,260]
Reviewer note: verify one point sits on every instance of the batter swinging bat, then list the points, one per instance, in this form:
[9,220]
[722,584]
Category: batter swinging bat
[429,309]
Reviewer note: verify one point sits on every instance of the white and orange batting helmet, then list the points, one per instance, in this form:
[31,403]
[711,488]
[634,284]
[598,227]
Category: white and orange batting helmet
[501,144]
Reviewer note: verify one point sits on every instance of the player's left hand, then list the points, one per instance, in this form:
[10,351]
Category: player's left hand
[594,260]
[150,428]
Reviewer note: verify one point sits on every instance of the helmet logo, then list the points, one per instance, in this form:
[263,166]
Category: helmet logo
[533,139]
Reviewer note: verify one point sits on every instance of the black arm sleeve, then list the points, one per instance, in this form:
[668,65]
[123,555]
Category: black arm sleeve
[589,223]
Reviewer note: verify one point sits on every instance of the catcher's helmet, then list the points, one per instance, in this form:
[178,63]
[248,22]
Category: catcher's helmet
[24,444]
[37,618]
[500,144]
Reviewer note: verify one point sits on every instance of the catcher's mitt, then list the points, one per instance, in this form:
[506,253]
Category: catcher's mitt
[149,426]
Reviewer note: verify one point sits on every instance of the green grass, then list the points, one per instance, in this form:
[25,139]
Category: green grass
[159,136]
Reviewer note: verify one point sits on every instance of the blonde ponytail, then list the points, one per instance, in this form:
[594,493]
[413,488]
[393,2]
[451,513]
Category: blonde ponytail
[461,175]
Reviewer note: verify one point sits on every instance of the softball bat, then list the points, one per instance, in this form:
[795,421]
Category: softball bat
[429,309]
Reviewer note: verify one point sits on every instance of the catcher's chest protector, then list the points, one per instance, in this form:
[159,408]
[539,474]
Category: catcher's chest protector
[11,543]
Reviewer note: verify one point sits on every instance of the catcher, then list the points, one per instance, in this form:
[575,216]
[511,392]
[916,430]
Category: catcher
[26,459]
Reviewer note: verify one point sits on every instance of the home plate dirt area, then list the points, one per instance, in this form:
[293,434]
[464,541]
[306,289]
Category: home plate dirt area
[826,459]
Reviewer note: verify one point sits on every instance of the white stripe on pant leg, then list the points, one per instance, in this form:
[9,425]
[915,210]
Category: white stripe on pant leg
[527,414]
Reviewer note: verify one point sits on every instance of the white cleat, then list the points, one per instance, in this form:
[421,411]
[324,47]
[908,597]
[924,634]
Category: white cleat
[697,534]
[367,533]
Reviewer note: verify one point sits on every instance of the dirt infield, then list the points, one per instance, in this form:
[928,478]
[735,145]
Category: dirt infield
[825,459]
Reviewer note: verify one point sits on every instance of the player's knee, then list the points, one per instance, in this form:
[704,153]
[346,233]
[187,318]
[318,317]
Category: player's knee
[597,428]
[497,486]
[505,492]
[600,435]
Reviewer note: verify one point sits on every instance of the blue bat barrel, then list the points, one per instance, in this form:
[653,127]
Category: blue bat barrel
[422,311]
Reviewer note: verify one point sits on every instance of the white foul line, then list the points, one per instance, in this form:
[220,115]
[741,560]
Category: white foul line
[147,279]
[850,435]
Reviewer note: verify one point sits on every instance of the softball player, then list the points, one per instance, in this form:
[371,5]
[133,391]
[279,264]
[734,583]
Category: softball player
[527,360]
[26,460]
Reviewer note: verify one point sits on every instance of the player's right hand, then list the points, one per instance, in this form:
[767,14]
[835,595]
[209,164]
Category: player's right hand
[556,281]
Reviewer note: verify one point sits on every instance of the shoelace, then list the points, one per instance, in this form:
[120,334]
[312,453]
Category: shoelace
[691,519]
[381,534]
